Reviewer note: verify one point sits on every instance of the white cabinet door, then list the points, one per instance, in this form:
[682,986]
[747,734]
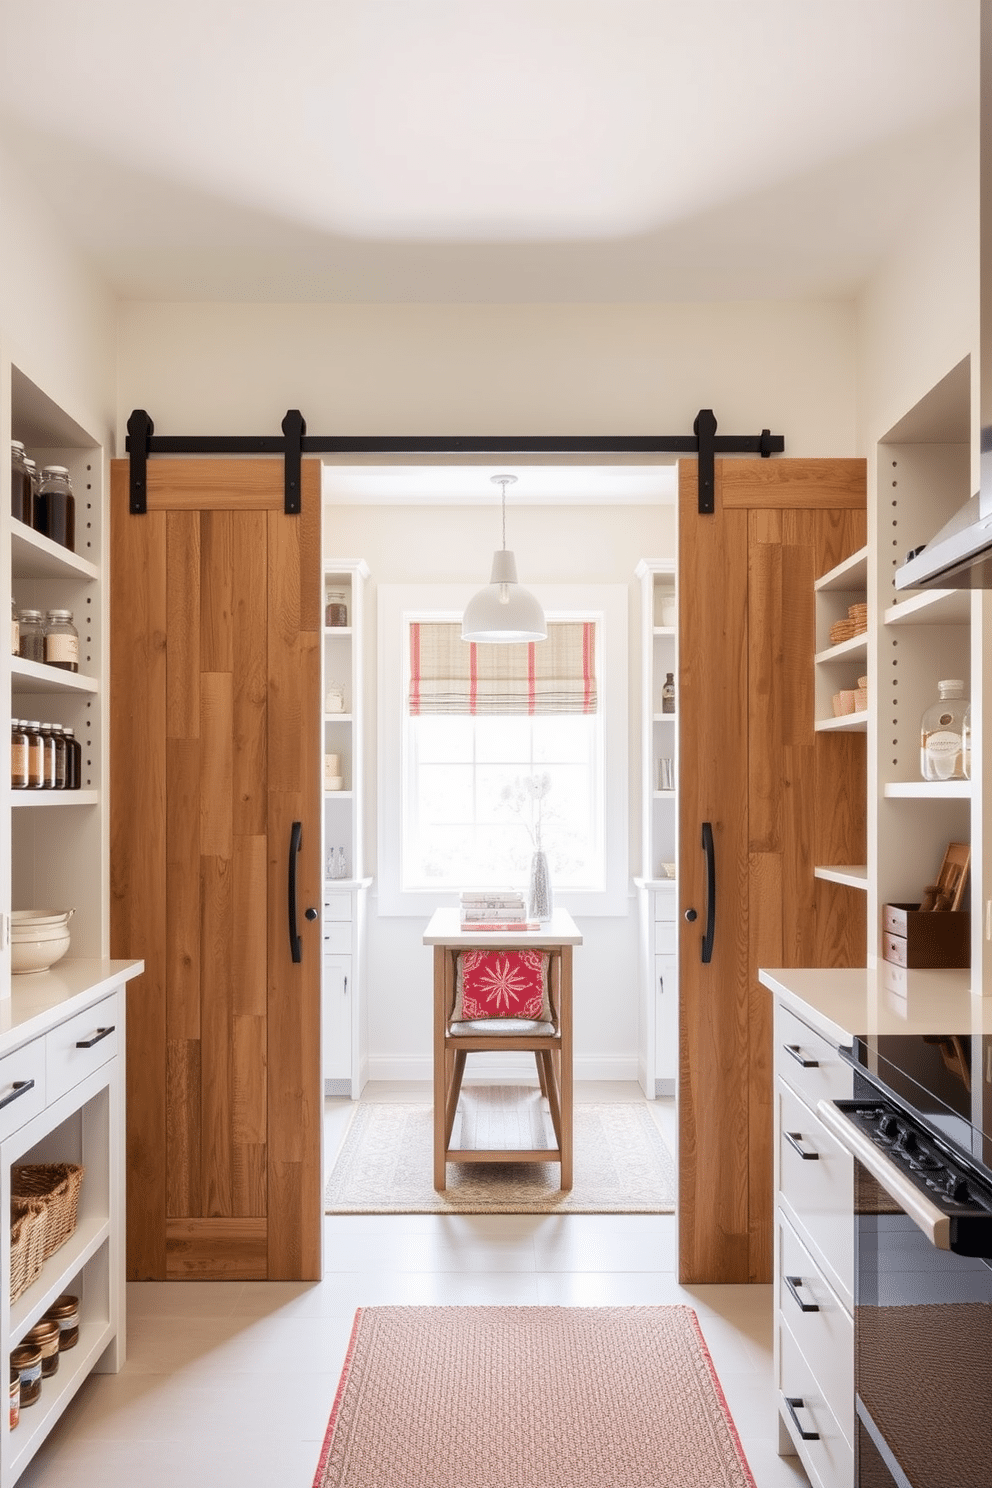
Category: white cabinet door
[337,1000]
[666,992]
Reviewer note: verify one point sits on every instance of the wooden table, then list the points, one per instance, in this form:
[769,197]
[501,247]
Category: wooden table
[557,938]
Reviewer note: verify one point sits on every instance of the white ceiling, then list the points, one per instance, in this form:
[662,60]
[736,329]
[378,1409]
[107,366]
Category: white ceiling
[545,484]
[485,149]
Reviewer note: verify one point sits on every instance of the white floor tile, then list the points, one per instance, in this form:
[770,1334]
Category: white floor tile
[229,1385]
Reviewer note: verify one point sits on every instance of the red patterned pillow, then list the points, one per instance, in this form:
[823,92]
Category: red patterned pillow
[502,984]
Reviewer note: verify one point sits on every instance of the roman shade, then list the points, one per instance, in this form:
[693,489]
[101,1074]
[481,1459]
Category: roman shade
[449,675]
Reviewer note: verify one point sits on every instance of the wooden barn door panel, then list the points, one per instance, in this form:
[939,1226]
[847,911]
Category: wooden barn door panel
[215,681]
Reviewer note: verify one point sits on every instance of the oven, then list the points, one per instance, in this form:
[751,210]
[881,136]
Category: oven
[919,1133]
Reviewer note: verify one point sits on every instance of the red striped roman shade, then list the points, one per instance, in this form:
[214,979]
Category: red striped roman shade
[449,675]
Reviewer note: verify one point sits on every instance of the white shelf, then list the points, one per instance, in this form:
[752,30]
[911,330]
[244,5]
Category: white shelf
[928,790]
[855,876]
[56,1274]
[848,723]
[666,795]
[851,574]
[933,607]
[338,717]
[56,1392]
[337,630]
[341,795]
[857,646]
[664,630]
[36,557]
[665,717]
[34,676]
[57,798]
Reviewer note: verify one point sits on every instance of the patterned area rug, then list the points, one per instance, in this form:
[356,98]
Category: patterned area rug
[530,1397]
[385,1166]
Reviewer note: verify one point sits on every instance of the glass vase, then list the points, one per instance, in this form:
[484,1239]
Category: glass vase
[540,900]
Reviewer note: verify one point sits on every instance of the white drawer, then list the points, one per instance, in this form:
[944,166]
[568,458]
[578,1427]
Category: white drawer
[81,1045]
[337,906]
[829,1459]
[818,1190]
[809,1062]
[665,938]
[19,1099]
[826,1335]
[664,904]
[337,939]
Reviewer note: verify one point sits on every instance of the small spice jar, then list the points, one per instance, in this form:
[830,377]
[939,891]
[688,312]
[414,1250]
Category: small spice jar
[15,1396]
[31,635]
[73,760]
[61,641]
[65,1311]
[336,611]
[45,1335]
[48,755]
[15,629]
[61,757]
[36,754]
[20,483]
[55,506]
[18,755]
[26,1359]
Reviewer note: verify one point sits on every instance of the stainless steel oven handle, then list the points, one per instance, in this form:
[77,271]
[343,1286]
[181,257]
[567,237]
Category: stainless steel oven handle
[935,1225]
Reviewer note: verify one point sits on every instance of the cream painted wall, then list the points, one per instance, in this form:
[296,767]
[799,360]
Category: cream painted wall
[527,369]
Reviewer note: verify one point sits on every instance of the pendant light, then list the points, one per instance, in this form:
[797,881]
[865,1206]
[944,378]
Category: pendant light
[503,611]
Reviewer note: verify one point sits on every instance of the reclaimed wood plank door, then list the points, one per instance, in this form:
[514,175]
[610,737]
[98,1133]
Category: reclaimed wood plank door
[215,737]
[778,799]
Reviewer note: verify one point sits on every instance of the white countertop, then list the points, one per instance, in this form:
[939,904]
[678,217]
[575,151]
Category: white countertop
[845,1002]
[444,930]
[40,1000]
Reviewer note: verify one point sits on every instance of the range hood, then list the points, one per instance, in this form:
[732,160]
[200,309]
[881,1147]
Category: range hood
[960,555]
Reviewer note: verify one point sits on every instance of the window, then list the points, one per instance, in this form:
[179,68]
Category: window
[454,806]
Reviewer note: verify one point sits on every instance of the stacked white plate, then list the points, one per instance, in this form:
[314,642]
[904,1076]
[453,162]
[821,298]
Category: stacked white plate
[38,938]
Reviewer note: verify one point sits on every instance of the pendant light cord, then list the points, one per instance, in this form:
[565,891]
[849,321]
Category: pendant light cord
[503,481]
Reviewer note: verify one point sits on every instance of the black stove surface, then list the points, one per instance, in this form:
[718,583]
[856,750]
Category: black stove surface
[944,1079]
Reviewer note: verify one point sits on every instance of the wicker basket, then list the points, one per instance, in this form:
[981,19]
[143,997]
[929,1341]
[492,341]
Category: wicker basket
[55,1186]
[27,1244]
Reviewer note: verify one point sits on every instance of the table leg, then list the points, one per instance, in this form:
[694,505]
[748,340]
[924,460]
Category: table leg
[442,957]
[565,1079]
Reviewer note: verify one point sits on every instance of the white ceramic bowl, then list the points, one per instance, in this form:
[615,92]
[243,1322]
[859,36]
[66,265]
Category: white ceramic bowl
[27,919]
[36,955]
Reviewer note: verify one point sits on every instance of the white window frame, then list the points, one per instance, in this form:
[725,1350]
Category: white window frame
[400,603]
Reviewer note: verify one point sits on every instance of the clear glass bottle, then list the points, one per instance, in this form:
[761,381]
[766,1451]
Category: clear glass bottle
[61,756]
[36,755]
[668,694]
[31,638]
[18,755]
[21,493]
[32,469]
[48,755]
[61,641]
[55,506]
[942,734]
[15,629]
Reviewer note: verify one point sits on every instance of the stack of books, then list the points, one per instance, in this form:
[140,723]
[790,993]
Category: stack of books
[494,909]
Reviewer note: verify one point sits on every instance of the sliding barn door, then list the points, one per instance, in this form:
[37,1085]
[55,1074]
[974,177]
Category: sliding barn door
[215,737]
[763,799]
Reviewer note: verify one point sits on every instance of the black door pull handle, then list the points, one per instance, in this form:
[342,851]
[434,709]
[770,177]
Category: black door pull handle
[295,839]
[709,850]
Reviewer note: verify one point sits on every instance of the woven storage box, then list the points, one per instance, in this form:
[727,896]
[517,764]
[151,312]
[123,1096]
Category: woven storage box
[55,1186]
[27,1244]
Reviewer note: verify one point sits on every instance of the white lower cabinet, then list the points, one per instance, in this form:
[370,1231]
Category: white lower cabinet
[814,1256]
[337,1012]
[62,1100]
[344,1054]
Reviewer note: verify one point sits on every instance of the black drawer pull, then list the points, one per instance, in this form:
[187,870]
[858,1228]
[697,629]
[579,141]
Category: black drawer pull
[794,1139]
[793,1049]
[21,1087]
[794,1403]
[792,1283]
[101,1033]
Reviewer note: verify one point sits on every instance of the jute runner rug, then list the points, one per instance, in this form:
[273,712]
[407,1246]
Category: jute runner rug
[530,1397]
[622,1165]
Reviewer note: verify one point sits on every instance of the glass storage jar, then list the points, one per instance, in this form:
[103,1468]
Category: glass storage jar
[21,492]
[61,756]
[48,755]
[45,1335]
[31,635]
[36,754]
[61,641]
[15,1396]
[668,694]
[336,611]
[55,506]
[18,755]
[65,1311]
[942,733]
[26,1359]
[15,629]
[73,760]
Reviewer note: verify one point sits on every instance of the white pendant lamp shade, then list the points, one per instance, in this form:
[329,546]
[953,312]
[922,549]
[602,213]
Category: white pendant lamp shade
[503,612]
